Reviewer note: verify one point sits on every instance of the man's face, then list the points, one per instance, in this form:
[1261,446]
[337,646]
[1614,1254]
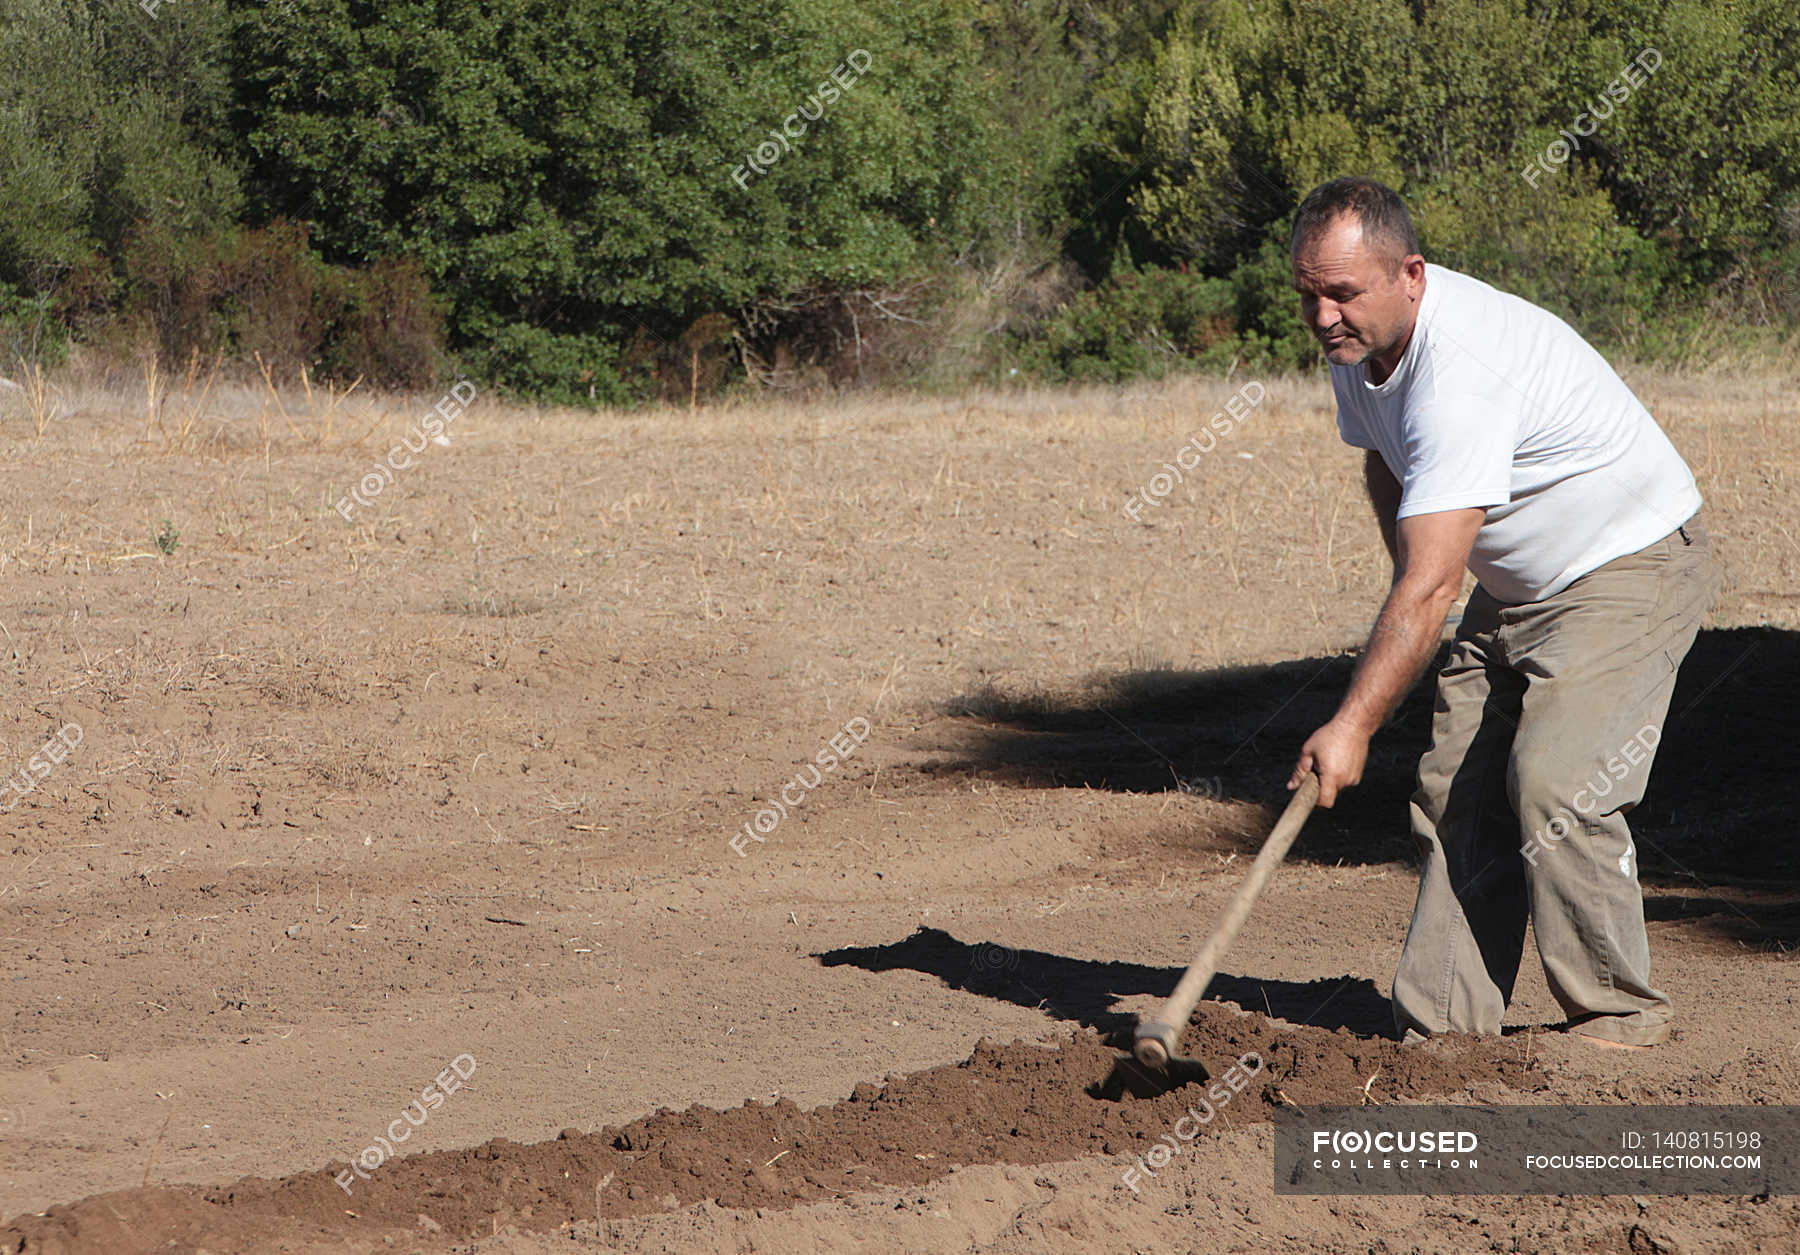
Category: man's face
[1350,296]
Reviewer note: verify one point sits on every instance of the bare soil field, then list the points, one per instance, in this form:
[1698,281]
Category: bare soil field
[478,808]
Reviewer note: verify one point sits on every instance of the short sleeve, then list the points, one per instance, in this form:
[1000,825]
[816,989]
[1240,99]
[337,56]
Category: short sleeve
[1350,430]
[1459,455]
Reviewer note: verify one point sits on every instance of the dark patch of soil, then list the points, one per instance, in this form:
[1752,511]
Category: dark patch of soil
[1004,1104]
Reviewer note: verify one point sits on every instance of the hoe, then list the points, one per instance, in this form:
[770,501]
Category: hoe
[1155,1040]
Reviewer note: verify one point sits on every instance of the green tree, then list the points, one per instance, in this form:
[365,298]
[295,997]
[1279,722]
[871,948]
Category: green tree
[1707,151]
[110,120]
[587,170]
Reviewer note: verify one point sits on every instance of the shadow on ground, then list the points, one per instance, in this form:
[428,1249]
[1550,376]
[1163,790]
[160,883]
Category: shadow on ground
[1718,829]
[1086,991]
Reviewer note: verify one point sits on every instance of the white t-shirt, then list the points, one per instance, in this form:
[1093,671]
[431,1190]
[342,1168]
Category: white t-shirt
[1499,404]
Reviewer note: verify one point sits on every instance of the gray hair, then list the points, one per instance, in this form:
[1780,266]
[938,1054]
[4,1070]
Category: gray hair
[1376,207]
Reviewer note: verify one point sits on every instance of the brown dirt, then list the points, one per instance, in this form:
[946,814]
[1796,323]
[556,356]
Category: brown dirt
[1017,1104]
[351,800]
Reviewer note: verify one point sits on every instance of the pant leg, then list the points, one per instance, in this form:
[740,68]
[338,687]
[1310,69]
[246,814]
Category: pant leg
[1463,946]
[1600,660]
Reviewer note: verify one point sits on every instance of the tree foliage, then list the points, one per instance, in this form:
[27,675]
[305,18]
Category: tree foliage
[597,193]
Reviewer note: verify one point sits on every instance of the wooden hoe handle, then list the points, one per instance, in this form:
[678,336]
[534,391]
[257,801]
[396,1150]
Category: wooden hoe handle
[1156,1039]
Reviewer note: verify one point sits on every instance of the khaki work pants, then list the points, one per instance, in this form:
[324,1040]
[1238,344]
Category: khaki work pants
[1547,720]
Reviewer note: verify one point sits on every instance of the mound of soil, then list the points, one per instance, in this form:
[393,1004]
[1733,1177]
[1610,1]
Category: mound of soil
[1016,1103]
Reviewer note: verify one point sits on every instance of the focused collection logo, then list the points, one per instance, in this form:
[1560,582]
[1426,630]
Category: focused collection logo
[1403,1148]
[1394,1149]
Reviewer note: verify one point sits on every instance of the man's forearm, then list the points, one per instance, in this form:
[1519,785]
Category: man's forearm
[1402,642]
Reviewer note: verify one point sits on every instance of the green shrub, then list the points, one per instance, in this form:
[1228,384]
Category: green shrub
[110,121]
[1268,308]
[1139,323]
[29,330]
[550,367]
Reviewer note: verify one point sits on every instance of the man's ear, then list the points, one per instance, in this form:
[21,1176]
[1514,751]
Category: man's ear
[1412,273]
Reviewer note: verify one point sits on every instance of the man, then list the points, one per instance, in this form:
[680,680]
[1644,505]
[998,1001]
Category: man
[1498,440]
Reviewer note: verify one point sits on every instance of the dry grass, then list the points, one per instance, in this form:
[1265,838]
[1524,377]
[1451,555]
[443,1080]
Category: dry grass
[999,509]
[42,399]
